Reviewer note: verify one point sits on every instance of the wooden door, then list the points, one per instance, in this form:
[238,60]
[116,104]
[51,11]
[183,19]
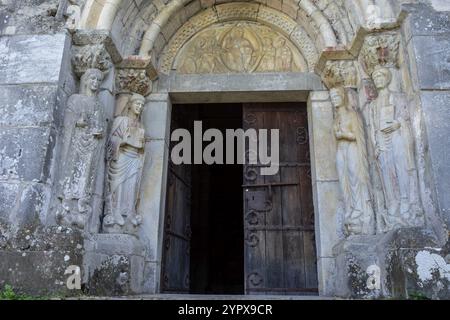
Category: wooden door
[280,254]
[177,230]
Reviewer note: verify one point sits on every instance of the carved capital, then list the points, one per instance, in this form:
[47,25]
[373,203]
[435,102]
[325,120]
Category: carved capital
[380,49]
[340,73]
[91,57]
[93,50]
[135,75]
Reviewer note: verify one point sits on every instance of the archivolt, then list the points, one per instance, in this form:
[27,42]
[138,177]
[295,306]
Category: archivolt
[328,22]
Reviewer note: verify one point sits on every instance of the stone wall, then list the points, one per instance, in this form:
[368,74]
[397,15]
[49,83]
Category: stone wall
[35,82]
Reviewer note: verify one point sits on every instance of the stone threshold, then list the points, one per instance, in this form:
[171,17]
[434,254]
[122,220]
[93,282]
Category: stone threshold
[206,297]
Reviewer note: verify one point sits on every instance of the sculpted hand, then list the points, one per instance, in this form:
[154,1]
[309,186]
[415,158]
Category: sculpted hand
[81,123]
[391,128]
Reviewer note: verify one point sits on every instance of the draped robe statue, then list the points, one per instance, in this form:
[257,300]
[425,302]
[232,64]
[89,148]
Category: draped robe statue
[125,161]
[392,140]
[352,164]
[84,126]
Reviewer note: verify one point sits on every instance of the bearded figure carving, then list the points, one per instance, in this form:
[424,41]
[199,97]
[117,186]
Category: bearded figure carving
[392,141]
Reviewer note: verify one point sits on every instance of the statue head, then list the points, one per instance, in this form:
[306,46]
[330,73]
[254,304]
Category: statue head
[280,42]
[382,77]
[338,98]
[90,81]
[136,104]
[237,33]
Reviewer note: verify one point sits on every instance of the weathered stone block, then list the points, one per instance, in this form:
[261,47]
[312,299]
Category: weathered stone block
[325,206]
[26,153]
[436,112]
[323,142]
[27,105]
[8,195]
[156,117]
[33,205]
[31,59]
[151,277]
[416,267]
[433,64]
[355,257]
[153,190]
[426,21]
[35,262]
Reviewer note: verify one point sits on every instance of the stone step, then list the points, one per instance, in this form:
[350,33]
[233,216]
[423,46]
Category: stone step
[210,297]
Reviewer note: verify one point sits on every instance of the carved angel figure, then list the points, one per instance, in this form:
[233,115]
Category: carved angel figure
[125,158]
[84,126]
[352,164]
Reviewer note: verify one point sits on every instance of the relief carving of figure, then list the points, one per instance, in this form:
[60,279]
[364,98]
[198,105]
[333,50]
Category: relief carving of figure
[268,58]
[239,52]
[392,140]
[203,56]
[84,126]
[283,56]
[352,164]
[125,159]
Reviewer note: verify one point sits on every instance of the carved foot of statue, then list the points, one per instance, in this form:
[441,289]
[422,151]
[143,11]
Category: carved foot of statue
[69,218]
[136,220]
[84,206]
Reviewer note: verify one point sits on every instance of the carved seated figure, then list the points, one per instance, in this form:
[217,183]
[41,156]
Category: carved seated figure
[125,160]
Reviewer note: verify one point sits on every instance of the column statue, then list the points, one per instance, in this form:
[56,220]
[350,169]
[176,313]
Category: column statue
[125,159]
[84,127]
[352,164]
[391,137]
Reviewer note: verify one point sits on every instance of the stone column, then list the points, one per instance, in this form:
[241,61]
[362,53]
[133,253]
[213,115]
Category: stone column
[156,118]
[325,185]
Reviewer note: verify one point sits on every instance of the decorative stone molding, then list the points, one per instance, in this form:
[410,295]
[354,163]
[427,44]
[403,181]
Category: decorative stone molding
[340,74]
[93,50]
[135,75]
[380,50]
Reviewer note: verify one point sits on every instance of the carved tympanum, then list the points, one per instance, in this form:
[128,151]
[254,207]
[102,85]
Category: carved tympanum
[239,47]
[84,126]
[352,164]
[392,140]
[125,158]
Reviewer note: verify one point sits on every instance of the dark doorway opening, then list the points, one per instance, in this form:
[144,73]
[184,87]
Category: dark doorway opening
[204,244]
[210,245]
[217,251]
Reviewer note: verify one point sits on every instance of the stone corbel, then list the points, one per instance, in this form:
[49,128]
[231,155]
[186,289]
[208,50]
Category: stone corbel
[94,49]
